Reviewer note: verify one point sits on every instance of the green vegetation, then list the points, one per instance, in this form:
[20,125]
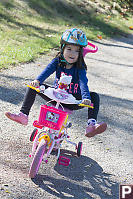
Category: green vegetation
[29,28]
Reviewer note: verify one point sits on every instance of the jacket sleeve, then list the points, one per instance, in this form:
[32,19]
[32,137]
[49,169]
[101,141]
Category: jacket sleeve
[83,81]
[50,69]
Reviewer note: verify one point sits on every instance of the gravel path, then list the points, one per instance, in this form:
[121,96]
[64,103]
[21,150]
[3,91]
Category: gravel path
[106,160]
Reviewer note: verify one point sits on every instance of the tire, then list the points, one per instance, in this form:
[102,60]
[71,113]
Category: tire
[79,149]
[37,158]
[33,134]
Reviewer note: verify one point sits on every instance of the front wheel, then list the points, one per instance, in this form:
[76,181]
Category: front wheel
[79,149]
[37,158]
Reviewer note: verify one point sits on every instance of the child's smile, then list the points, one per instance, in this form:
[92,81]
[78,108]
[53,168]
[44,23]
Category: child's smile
[71,53]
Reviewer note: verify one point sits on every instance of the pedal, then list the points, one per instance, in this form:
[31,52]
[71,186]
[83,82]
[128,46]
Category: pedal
[64,161]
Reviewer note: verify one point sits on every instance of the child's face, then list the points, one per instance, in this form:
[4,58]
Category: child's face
[71,53]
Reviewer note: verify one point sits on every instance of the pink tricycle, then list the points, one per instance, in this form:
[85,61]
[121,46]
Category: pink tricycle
[51,128]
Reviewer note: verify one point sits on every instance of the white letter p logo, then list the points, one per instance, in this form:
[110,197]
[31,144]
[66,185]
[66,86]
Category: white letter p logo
[126,190]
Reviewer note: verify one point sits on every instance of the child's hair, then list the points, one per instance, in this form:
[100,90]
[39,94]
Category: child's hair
[80,62]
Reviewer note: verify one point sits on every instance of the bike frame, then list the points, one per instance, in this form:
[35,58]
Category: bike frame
[52,137]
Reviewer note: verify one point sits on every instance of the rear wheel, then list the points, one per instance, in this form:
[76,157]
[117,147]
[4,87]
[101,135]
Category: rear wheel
[37,158]
[33,134]
[79,149]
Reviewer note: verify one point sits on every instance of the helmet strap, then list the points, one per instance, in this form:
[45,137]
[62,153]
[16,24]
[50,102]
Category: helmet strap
[64,60]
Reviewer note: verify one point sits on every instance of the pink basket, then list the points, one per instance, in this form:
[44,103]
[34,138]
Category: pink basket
[51,117]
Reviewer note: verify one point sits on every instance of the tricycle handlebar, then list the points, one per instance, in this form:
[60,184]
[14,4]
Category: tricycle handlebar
[54,94]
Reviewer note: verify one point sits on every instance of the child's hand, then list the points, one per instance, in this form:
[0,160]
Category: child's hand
[86,102]
[35,83]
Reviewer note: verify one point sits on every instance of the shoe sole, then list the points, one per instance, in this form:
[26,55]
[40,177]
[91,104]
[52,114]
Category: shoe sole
[14,119]
[100,129]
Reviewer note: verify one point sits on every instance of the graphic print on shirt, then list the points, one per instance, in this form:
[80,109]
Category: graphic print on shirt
[72,88]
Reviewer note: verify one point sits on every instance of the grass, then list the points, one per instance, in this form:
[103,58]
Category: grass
[30,28]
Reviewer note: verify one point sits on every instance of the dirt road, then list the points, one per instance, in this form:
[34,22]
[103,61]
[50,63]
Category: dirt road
[107,159]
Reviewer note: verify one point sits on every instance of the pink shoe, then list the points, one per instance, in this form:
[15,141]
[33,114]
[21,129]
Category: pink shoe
[93,130]
[19,118]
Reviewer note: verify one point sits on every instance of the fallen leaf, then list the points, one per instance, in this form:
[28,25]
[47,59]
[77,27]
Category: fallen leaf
[131,27]
[108,16]
[99,36]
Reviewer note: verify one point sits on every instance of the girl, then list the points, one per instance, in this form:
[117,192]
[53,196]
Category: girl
[69,61]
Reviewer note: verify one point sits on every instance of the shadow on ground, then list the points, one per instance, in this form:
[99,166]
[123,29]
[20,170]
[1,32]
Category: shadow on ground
[83,178]
[13,96]
[102,61]
[9,93]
